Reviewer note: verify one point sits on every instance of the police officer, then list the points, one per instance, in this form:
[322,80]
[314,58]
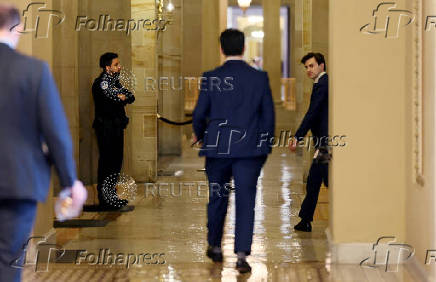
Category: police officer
[110,98]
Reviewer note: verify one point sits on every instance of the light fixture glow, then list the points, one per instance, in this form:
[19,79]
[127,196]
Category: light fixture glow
[257,34]
[255,19]
[170,7]
[244,4]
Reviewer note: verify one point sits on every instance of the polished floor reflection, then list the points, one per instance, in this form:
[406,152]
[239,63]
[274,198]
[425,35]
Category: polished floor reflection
[165,235]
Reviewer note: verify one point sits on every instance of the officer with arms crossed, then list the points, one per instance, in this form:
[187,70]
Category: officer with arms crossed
[110,99]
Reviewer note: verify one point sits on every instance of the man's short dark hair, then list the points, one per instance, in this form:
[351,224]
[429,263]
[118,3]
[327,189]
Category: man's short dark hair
[9,16]
[106,59]
[319,58]
[232,42]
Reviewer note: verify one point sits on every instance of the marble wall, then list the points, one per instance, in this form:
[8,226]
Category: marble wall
[143,127]
[170,101]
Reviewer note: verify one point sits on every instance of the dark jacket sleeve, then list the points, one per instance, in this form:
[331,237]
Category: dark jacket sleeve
[130,98]
[201,114]
[54,128]
[109,94]
[267,110]
[319,96]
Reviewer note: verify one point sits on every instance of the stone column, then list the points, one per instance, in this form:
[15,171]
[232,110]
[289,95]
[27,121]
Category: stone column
[320,27]
[143,126]
[272,46]
[170,83]
[213,22]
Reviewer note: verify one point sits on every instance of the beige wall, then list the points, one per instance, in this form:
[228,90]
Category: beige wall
[377,186]
[368,97]
[420,204]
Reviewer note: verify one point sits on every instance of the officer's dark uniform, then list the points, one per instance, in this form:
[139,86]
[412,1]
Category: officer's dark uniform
[109,124]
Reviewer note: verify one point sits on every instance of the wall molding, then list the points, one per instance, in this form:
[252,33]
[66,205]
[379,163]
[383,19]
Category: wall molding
[418,160]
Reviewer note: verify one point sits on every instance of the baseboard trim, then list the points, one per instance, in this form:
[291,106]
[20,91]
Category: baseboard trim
[418,271]
[355,253]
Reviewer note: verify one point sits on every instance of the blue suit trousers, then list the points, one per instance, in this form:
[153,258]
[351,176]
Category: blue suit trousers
[245,172]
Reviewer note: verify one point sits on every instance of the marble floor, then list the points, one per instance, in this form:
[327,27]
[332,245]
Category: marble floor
[164,238]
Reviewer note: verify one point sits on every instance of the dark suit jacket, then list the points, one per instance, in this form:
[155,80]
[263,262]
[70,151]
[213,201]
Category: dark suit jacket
[109,109]
[234,115]
[316,118]
[31,119]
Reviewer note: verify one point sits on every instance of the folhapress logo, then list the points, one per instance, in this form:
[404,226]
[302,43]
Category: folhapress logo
[38,252]
[388,20]
[43,19]
[389,254]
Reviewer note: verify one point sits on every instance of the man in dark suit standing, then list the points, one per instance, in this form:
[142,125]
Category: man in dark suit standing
[110,99]
[316,119]
[33,134]
[234,119]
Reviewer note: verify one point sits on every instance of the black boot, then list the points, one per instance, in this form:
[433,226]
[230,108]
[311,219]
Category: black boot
[304,226]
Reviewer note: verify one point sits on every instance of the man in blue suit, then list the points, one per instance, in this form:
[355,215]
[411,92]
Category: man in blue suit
[33,134]
[234,120]
[316,120]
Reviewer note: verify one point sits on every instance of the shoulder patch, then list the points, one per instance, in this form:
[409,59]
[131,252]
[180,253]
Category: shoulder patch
[104,85]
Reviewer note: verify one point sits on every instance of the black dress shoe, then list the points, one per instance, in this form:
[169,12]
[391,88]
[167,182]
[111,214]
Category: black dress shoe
[242,266]
[114,204]
[111,202]
[304,226]
[215,256]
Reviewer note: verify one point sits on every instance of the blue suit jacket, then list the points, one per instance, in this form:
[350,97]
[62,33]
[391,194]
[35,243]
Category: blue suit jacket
[316,118]
[234,115]
[33,129]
